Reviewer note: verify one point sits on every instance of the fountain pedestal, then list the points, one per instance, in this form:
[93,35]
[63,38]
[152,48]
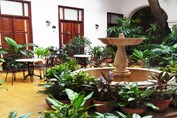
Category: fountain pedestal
[120,73]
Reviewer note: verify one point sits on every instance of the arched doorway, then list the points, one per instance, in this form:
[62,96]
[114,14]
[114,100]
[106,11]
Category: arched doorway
[144,17]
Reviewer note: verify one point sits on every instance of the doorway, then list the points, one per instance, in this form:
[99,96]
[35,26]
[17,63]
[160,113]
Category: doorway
[71,23]
[15,21]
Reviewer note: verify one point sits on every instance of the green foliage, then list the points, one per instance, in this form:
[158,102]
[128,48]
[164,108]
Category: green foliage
[13,114]
[171,39]
[118,114]
[96,53]
[160,83]
[172,68]
[77,45]
[153,33]
[2,52]
[16,51]
[103,88]
[141,55]
[162,55]
[75,81]
[42,52]
[62,76]
[131,96]
[127,27]
[66,67]
[109,52]
[73,110]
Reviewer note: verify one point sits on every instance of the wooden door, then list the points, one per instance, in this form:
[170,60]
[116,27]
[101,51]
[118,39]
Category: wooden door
[71,23]
[5,28]
[21,29]
[69,30]
[16,28]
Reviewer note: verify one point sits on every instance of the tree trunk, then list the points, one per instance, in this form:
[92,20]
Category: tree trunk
[161,19]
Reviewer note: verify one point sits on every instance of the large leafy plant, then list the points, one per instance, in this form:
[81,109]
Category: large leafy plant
[13,114]
[75,109]
[42,52]
[103,88]
[75,81]
[133,97]
[77,45]
[118,114]
[16,51]
[19,49]
[160,84]
[161,52]
[127,27]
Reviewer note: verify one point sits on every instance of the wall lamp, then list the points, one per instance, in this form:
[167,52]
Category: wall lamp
[96,26]
[48,22]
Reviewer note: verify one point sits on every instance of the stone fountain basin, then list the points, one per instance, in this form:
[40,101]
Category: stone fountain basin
[139,75]
[121,41]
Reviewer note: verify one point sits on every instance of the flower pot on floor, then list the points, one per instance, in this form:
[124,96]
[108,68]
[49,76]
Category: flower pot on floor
[133,110]
[162,104]
[88,103]
[105,107]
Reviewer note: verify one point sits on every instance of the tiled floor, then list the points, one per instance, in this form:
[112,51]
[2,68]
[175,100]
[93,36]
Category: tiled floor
[21,97]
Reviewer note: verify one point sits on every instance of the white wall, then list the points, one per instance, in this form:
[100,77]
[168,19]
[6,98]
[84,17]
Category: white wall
[95,12]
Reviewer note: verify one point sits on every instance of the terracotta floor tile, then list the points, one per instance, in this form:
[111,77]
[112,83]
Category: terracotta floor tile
[21,96]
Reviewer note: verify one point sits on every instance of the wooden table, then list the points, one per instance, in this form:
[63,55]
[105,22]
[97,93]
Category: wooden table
[30,65]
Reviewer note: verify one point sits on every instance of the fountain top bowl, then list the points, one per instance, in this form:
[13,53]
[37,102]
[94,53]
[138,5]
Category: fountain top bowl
[121,41]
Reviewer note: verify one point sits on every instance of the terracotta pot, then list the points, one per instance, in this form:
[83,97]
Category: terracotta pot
[105,107]
[133,110]
[108,60]
[173,103]
[88,103]
[162,104]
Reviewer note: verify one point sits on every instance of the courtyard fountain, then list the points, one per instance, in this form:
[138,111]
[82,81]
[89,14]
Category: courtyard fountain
[121,73]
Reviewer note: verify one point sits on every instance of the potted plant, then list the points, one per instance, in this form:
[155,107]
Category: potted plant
[13,114]
[57,79]
[108,54]
[41,52]
[2,52]
[77,45]
[118,114]
[133,99]
[140,56]
[96,53]
[16,51]
[172,87]
[75,109]
[161,97]
[104,93]
[64,76]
